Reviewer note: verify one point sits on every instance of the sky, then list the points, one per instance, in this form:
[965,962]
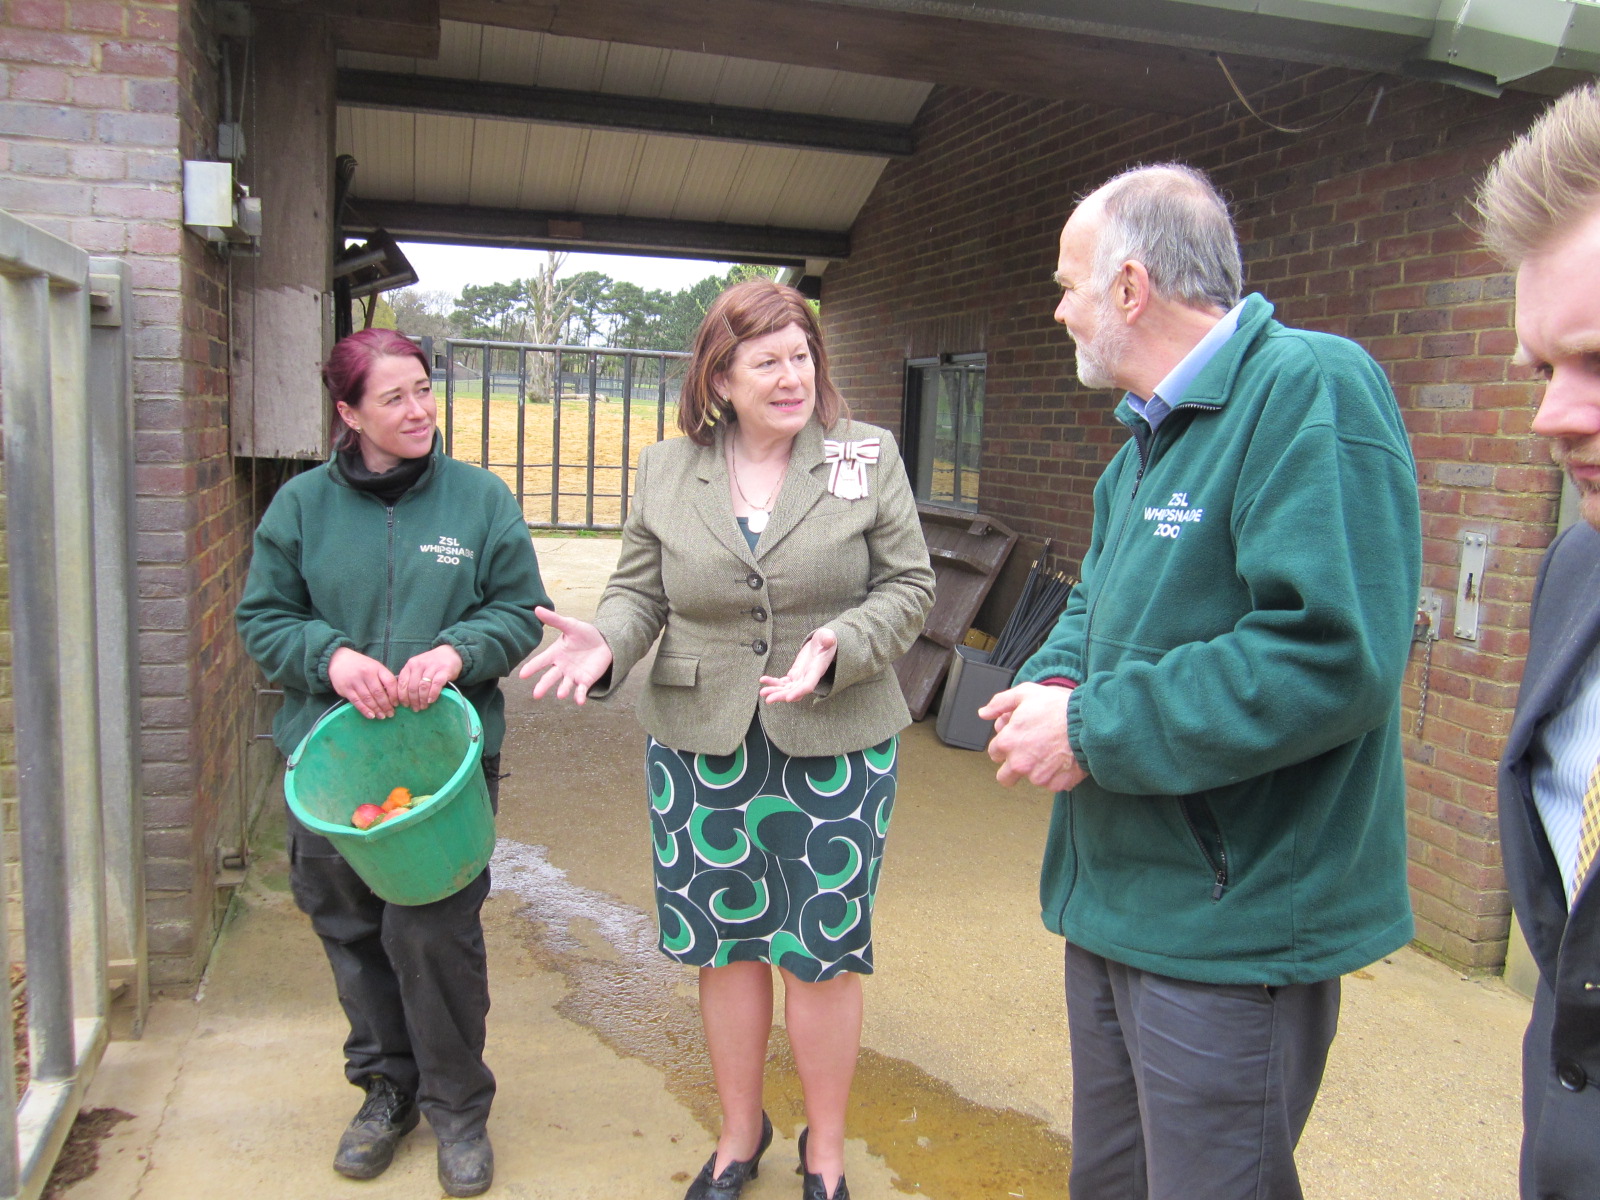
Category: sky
[450,268]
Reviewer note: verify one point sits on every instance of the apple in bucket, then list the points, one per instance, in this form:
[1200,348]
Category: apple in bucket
[366,816]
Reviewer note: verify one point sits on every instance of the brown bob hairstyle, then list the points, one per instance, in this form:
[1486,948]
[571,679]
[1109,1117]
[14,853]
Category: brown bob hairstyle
[744,311]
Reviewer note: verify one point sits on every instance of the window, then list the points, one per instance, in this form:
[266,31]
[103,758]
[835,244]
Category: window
[944,427]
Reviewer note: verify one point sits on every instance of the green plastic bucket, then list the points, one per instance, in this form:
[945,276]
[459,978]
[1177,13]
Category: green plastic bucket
[427,853]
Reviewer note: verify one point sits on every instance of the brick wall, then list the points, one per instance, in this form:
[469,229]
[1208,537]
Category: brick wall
[102,100]
[1353,228]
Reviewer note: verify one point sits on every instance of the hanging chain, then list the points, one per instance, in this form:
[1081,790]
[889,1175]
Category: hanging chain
[1427,665]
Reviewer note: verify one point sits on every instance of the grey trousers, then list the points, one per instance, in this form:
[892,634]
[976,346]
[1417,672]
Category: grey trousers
[1190,1090]
[413,980]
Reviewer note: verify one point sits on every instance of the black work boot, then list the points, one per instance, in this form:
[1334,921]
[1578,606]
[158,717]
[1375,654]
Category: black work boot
[367,1147]
[466,1167]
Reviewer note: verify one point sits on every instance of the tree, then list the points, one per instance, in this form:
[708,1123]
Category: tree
[688,308]
[591,294]
[547,306]
[489,311]
[637,316]
[421,314]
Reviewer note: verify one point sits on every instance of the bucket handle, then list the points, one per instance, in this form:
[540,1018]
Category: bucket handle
[466,705]
[294,759]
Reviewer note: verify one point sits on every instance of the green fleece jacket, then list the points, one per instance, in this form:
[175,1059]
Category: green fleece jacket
[1238,642]
[451,563]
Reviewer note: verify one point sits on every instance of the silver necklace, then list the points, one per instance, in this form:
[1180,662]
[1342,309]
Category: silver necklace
[757,520]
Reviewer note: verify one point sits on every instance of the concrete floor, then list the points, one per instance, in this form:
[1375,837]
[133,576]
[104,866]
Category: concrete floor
[963,1087]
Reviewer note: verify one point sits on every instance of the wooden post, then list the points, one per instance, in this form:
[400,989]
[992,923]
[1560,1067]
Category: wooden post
[283,299]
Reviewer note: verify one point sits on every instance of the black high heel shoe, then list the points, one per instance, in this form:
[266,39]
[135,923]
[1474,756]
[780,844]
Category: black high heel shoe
[730,1183]
[813,1188]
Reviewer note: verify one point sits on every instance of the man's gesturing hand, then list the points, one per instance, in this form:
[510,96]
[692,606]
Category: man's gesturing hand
[1030,740]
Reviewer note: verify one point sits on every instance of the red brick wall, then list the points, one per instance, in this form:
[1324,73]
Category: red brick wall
[102,100]
[1355,228]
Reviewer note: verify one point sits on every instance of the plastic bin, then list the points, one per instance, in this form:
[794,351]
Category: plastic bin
[972,684]
[427,853]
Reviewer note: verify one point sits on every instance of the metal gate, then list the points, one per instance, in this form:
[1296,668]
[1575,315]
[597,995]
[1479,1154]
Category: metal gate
[562,425]
[66,371]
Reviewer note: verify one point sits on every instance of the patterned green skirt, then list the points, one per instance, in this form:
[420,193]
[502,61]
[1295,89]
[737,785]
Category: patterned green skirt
[760,857]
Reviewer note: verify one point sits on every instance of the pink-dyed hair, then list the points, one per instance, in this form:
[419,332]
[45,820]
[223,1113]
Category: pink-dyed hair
[346,371]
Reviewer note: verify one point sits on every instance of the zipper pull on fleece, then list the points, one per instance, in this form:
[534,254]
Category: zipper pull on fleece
[1222,881]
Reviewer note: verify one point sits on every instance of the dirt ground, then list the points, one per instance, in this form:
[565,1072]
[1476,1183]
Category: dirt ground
[541,439]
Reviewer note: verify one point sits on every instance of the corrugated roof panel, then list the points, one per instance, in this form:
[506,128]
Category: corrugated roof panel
[573,63]
[801,89]
[444,159]
[873,98]
[499,149]
[758,183]
[662,164]
[511,56]
[605,176]
[460,52]
[551,167]
[689,76]
[384,146]
[745,83]
[555,168]
[824,191]
[708,180]
[468,51]
[633,70]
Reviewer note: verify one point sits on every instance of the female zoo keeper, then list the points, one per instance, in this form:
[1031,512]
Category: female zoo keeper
[777,552]
[381,576]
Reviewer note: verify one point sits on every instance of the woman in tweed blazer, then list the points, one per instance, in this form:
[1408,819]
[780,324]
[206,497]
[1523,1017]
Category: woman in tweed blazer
[777,535]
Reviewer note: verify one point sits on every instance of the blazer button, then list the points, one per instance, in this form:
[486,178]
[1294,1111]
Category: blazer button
[754,580]
[759,613]
[760,647]
[1571,1075]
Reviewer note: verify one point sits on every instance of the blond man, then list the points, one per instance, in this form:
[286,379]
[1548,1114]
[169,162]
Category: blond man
[1540,205]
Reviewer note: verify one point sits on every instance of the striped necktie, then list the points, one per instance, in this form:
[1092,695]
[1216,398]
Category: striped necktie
[1588,833]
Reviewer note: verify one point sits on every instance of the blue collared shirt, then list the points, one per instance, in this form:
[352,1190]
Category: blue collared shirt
[1171,389]
[1564,755]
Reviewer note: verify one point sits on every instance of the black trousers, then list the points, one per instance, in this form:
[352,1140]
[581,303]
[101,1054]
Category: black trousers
[413,980]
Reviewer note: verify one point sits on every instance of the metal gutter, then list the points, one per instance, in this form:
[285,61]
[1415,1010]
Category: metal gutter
[1481,45]
[1513,40]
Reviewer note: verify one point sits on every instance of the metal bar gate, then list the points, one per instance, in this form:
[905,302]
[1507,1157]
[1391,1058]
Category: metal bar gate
[69,538]
[620,397]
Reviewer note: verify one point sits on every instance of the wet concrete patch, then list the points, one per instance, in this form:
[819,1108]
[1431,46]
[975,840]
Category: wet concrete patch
[937,1143]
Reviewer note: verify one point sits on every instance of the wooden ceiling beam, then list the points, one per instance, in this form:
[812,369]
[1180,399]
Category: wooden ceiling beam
[995,56]
[635,114]
[524,229]
[404,27]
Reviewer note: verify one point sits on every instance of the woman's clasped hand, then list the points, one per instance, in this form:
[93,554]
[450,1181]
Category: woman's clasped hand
[377,691]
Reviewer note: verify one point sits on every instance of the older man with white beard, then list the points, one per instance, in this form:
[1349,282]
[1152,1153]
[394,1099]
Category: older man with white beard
[1218,707]
[1541,213]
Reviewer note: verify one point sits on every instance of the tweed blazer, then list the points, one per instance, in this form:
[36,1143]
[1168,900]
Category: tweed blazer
[727,614]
